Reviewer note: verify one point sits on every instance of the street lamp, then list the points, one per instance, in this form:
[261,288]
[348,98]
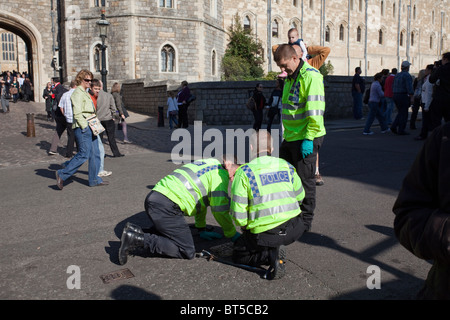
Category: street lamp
[103,30]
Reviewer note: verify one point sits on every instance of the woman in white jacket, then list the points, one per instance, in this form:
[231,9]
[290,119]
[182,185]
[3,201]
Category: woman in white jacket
[427,98]
[172,109]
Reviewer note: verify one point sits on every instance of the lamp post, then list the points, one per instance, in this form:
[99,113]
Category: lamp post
[103,30]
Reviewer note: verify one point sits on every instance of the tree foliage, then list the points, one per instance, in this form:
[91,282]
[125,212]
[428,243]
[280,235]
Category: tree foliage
[243,56]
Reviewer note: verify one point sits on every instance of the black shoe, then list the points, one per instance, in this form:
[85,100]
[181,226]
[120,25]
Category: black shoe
[278,263]
[393,130]
[119,155]
[130,240]
[133,227]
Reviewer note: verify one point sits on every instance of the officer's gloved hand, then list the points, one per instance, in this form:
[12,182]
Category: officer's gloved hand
[235,237]
[210,235]
[307,148]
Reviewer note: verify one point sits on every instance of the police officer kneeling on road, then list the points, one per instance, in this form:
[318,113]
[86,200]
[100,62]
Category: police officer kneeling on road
[266,194]
[189,190]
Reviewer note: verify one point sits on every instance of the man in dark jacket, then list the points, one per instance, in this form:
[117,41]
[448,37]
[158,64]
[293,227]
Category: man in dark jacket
[422,212]
[440,106]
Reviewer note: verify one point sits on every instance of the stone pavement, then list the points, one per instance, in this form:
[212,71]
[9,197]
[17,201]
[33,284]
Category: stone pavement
[47,233]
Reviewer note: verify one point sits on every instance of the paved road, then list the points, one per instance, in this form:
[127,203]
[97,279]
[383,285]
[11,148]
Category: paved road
[45,232]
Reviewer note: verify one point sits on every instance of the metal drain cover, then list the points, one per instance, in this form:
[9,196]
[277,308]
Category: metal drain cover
[116,275]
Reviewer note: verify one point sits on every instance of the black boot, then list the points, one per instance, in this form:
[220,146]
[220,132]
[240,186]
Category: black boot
[130,240]
[277,263]
[133,227]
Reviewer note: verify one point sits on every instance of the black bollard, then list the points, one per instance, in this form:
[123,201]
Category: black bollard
[30,125]
[160,116]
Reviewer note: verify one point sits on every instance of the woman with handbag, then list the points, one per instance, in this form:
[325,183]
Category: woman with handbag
[14,90]
[88,149]
[123,113]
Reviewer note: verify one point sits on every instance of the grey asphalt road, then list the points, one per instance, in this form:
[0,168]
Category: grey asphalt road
[57,244]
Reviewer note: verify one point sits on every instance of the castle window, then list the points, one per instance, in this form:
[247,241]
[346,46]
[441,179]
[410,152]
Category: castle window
[213,63]
[8,46]
[327,34]
[275,29]
[167,59]
[97,58]
[358,34]
[166,3]
[247,23]
[380,37]
[341,33]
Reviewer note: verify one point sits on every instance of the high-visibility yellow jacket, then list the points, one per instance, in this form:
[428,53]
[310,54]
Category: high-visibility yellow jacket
[304,105]
[197,185]
[265,193]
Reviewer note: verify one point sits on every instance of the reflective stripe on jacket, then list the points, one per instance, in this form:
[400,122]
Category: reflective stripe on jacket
[304,105]
[197,185]
[265,193]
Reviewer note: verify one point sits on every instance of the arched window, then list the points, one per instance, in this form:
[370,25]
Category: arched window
[401,38]
[380,36]
[358,34]
[213,63]
[414,12]
[247,23]
[327,34]
[360,7]
[393,10]
[311,4]
[412,39]
[295,3]
[275,28]
[97,58]
[431,42]
[167,59]
[382,7]
[341,32]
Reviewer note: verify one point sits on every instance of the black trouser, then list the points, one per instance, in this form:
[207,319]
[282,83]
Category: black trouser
[182,116]
[270,120]
[415,112]
[174,238]
[70,141]
[306,170]
[258,115]
[110,128]
[255,249]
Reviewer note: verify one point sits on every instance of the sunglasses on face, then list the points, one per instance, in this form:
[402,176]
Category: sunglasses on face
[88,80]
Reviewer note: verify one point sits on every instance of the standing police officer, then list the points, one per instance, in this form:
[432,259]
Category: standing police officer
[189,190]
[265,201]
[302,114]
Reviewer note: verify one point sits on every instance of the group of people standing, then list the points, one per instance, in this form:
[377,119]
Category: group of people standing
[86,98]
[177,106]
[13,87]
[429,91]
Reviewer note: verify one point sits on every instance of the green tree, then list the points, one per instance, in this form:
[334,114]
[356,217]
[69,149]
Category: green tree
[242,59]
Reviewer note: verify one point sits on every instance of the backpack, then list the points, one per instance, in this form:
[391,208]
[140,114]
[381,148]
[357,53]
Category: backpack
[251,104]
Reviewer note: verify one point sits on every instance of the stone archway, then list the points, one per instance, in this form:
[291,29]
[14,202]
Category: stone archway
[32,38]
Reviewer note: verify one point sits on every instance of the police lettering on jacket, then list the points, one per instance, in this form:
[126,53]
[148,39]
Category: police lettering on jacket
[274,177]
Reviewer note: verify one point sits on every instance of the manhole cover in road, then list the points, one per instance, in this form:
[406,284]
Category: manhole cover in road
[116,275]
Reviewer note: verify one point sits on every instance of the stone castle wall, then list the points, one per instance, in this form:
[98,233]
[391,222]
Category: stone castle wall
[223,103]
